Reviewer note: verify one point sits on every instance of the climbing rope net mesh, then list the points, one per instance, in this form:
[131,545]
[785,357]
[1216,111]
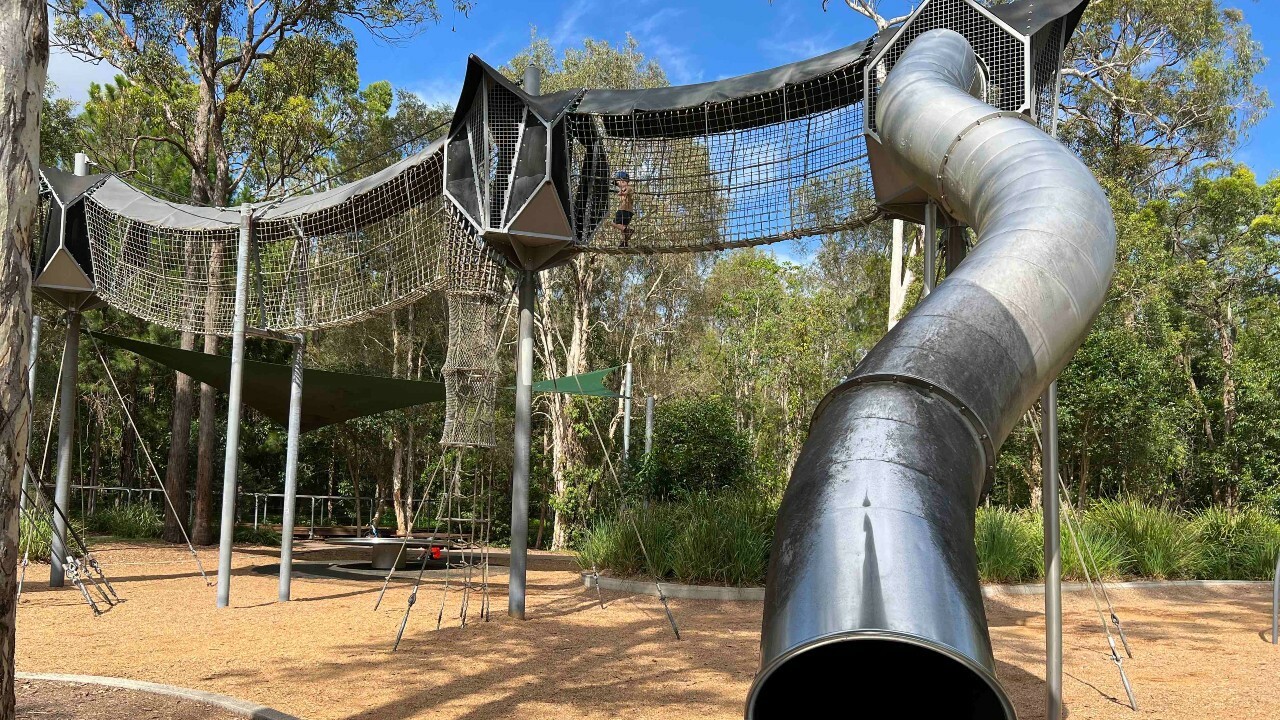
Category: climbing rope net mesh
[785,164]
[316,261]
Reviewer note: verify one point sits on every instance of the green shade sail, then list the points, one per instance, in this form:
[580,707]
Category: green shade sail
[591,383]
[327,397]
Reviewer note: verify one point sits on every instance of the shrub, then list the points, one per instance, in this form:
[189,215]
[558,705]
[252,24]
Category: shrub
[724,540]
[35,535]
[261,535]
[697,450]
[133,521]
[1104,554]
[1010,545]
[1240,545]
[720,539]
[1157,542]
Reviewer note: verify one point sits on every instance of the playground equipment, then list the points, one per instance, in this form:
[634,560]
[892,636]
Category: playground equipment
[930,121]
[879,512]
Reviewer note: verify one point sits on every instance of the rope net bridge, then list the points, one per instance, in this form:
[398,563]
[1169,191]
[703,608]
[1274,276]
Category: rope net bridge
[524,181]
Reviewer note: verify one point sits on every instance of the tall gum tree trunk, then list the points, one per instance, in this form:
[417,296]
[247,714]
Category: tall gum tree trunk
[565,448]
[175,473]
[24,58]
[207,441]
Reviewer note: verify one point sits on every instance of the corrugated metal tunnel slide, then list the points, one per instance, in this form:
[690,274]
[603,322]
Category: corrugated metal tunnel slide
[873,598]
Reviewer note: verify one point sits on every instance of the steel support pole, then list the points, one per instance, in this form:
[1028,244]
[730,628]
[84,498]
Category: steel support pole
[520,463]
[291,469]
[66,449]
[1275,605]
[32,355]
[231,459]
[930,246]
[1052,553]
[648,425]
[626,414]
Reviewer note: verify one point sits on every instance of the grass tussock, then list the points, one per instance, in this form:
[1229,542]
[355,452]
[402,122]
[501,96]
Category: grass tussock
[138,521]
[725,540]
[720,539]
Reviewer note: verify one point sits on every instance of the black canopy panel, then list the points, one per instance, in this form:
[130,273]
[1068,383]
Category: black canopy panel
[62,266]
[499,166]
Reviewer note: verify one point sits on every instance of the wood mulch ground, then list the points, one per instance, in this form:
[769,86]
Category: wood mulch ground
[43,700]
[1200,652]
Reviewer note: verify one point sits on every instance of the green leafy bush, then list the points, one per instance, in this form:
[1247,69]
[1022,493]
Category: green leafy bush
[697,450]
[1158,543]
[1240,545]
[35,535]
[261,535]
[720,539]
[1104,554]
[133,521]
[1010,545]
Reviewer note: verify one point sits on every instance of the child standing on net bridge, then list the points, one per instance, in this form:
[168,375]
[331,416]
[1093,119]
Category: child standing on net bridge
[626,205]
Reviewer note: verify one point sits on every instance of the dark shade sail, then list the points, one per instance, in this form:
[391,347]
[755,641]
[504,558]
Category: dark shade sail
[327,397]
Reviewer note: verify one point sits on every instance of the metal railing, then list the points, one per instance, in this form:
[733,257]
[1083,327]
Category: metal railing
[321,513]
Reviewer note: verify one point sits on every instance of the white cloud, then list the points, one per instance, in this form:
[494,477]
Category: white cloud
[566,29]
[437,90]
[681,66]
[73,76]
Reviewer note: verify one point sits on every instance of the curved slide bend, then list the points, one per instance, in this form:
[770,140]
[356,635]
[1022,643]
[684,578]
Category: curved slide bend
[873,598]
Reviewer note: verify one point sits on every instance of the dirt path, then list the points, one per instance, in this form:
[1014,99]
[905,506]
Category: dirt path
[327,656]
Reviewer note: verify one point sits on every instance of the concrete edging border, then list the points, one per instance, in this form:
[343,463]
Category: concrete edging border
[235,706]
[756,594]
[674,590]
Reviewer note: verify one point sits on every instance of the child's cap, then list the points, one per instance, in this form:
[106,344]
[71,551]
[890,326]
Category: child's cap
[622,175]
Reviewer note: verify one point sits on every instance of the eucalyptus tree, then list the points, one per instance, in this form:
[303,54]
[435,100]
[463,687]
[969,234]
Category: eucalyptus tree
[24,59]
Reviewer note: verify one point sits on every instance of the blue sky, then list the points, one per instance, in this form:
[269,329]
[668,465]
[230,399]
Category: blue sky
[693,41]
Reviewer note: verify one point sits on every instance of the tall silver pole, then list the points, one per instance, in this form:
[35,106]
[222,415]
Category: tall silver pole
[82,164]
[1275,605]
[291,469]
[520,463]
[1050,500]
[32,355]
[930,246]
[1052,553]
[231,459]
[626,414]
[66,449]
[648,425]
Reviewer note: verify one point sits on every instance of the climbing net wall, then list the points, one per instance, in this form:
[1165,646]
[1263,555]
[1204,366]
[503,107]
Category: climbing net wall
[476,288]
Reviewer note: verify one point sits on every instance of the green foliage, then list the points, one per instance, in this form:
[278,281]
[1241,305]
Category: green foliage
[132,521]
[1158,542]
[1104,555]
[35,535]
[719,539]
[1240,545]
[1010,545]
[697,449]
[261,535]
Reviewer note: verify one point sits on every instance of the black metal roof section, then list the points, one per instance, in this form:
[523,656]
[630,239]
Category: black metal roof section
[1031,16]
[62,264]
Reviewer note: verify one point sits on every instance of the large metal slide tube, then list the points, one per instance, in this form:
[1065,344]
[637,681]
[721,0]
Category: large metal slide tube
[873,599]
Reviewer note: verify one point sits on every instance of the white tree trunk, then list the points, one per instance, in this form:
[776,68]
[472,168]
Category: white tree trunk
[24,59]
[900,276]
